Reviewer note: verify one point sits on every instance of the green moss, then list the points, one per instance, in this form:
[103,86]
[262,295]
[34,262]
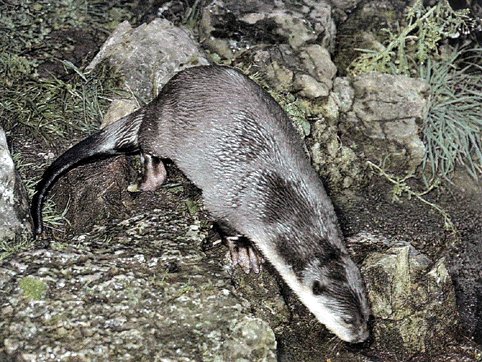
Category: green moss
[33,288]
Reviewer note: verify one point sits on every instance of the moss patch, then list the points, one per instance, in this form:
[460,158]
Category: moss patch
[33,288]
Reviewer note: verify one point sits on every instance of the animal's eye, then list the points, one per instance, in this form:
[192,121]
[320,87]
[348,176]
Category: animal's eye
[349,320]
[317,288]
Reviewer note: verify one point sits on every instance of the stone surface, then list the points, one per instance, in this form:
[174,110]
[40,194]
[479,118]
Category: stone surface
[330,156]
[344,4]
[14,209]
[317,62]
[386,114]
[149,55]
[412,298]
[229,27]
[118,109]
[148,293]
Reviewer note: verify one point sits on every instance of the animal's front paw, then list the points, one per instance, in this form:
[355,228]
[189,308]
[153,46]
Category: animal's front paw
[244,254]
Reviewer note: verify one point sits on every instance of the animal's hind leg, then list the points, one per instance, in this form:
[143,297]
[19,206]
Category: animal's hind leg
[241,250]
[154,173]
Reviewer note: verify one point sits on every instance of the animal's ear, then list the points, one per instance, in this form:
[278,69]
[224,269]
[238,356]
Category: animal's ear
[317,288]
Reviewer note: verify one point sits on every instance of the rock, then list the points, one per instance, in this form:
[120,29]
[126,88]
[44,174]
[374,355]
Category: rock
[149,55]
[334,159]
[308,71]
[118,109]
[249,339]
[412,300]
[317,62]
[344,4]
[14,207]
[386,116]
[229,27]
[309,87]
[320,70]
[343,94]
[149,293]
[284,54]
[280,75]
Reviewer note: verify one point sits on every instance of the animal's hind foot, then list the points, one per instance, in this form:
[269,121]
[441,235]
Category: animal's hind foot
[154,175]
[244,254]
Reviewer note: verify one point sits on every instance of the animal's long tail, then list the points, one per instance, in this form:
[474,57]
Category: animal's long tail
[117,138]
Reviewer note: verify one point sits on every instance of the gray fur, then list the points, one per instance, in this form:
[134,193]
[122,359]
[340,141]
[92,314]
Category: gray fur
[236,144]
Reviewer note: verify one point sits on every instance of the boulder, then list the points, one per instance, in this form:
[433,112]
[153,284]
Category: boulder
[386,119]
[15,224]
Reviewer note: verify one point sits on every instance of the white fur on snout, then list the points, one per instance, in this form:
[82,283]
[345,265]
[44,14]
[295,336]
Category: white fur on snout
[324,314]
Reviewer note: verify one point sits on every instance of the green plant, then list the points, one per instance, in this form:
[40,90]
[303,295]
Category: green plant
[401,188]
[417,42]
[52,108]
[11,247]
[192,15]
[453,117]
[453,124]
[27,25]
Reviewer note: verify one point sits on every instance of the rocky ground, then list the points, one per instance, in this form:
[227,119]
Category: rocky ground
[141,276]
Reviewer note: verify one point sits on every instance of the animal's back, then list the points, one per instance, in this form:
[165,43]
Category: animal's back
[234,142]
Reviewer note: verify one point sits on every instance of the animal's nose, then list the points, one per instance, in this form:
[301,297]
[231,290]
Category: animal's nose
[362,337]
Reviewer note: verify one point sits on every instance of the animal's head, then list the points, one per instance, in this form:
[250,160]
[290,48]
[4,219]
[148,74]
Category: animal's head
[334,292]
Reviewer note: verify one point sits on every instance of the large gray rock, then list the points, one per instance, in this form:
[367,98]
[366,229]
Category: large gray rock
[412,298]
[386,116]
[150,54]
[14,209]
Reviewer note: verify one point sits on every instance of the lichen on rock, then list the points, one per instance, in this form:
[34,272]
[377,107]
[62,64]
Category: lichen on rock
[412,299]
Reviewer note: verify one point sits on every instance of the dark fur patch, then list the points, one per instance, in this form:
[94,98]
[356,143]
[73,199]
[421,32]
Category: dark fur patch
[327,254]
[294,255]
[253,140]
[336,272]
[317,288]
[283,202]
